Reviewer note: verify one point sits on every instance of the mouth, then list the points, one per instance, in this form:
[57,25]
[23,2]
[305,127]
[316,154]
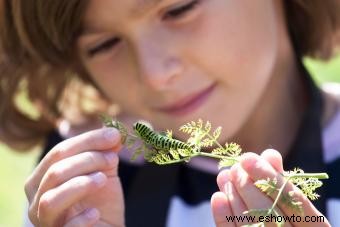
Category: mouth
[189,103]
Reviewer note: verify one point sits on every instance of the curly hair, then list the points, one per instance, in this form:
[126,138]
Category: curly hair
[37,59]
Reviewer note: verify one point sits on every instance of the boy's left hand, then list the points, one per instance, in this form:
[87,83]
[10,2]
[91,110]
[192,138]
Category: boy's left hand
[238,192]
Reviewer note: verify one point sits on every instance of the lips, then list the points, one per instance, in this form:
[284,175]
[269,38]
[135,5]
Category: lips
[189,103]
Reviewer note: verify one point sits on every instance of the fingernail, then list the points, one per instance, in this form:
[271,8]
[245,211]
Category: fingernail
[223,178]
[228,190]
[99,178]
[111,134]
[249,161]
[110,156]
[92,213]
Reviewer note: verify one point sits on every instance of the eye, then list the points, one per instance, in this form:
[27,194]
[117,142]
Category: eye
[181,10]
[104,46]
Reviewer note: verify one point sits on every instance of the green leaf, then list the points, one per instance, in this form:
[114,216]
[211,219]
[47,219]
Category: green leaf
[168,134]
[290,201]
[260,224]
[136,154]
[206,143]
[130,142]
[207,127]
[257,212]
[174,154]
[268,186]
[307,185]
[184,152]
[226,163]
[217,132]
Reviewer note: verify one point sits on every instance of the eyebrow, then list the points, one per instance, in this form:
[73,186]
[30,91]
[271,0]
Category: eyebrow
[144,5]
[139,7]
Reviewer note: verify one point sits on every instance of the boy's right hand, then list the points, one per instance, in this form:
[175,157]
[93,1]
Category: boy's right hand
[77,184]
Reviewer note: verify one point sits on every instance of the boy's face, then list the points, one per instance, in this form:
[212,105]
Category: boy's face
[179,60]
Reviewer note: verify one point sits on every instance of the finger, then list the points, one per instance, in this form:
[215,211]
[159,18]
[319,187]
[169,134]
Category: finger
[87,218]
[258,168]
[100,139]
[221,210]
[253,198]
[56,201]
[80,164]
[274,158]
[236,203]
[222,179]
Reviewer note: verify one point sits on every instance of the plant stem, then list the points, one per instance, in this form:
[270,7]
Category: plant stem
[308,175]
[290,176]
[216,156]
[215,141]
[132,135]
[278,196]
[198,153]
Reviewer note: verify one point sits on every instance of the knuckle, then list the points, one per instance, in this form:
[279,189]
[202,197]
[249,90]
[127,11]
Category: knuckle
[32,214]
[104,137]
[92,182]
[84,185]
[92,157]
[110,159]
[101,159]
[299,196]
[92,138]
[45,204]
[223,176]
[82,182]
[90,185]
[54,174]
[28,187]
[57,151]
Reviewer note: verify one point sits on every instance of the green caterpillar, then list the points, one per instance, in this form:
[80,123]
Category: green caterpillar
[157,140]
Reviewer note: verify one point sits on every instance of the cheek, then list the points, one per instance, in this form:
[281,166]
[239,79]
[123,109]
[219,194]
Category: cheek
[237,45]
[238,49]
[117,83]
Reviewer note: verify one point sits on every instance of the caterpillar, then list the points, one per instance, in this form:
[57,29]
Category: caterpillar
[157,140]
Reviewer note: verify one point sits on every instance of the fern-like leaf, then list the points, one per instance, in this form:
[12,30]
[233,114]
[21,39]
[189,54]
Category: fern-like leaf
[162,157]
[207,127]
[257,212]
[121,128]
[191,127]
[268,186]
[206,142]
[226,163]
[168,134]
[184,152]
[291,202]
[175,154]
[137,153]
[217,132]
[307,185]
[230,149]
[260,224]
[130,142]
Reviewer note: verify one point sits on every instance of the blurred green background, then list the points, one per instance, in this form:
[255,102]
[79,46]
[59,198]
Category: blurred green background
[15,167]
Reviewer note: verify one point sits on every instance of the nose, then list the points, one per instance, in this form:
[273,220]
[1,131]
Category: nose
[158,66]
